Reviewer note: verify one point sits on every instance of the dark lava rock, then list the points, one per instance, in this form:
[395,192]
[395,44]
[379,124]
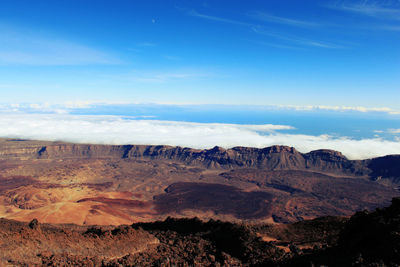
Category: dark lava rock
[34,224]
[368,239]
[225,243]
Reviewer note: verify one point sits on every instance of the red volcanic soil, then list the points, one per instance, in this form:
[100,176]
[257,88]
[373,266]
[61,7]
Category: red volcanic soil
[118,202]
[14,182]
[221,199]
[138,195]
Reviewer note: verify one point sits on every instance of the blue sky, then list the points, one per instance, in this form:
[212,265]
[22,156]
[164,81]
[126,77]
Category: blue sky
[320,53]
[308,74]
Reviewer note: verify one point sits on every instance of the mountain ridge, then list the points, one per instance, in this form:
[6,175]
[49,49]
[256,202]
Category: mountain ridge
[277,157]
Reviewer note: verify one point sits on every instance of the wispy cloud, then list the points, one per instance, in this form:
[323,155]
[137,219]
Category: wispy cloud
[160,76]
[165,77]
[393,28]
[169,76]
[262,16]
[378,9]
[394,131]
[194,13]
[259,30]
[169,57]
[26,48]
[276,45]
[147,44]
[343,108]
[297,40]
[119,130]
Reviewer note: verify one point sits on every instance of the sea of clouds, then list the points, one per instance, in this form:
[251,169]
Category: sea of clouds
[102,129]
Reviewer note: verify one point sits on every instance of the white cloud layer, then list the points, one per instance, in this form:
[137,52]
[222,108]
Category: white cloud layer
[117,130]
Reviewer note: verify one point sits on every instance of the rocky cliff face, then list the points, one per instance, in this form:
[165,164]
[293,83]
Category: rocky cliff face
[269,158]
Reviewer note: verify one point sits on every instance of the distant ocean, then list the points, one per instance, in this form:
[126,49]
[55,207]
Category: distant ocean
[351,124]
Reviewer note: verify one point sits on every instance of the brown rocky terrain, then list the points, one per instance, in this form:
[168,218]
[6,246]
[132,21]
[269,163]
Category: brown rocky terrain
[83,184]
[182,242]
[34,243]
[365,239]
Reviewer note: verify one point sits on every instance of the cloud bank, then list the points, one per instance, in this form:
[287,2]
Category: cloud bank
[123,130]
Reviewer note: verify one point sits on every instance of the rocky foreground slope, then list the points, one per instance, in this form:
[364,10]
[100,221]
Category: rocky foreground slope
[366,239]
